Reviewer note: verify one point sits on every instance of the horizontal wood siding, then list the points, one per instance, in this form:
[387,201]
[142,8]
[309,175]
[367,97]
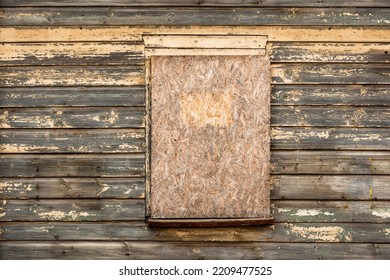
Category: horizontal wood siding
[73,118]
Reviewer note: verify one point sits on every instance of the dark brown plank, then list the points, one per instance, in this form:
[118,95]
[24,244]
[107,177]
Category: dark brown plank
[330,74]
[49,141]
[357,95]
[190,250]
[32,54]
[127,165]
[72,76]
[329,52]
[197,3]
[72,210]
[88,117]
[72,96]
[330,116]
[331,211]
[288,138]
[137,231]
[330,162]
[13,188]
[193,16]
[331,187]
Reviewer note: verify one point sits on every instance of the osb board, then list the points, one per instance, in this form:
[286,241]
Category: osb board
[210,136]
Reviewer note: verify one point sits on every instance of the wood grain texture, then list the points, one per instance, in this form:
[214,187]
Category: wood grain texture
[356,95]
[190,250]
[331,187]
[329,52]
[197,3]
[32,54]
[330,116]
[72,210]
[44,188]
[88,117]
[337,34]
[126,165]
[72,141]
[138,231]
[287,138]
[210,134]
[330,74]
[71,76]
[73,97]
[330,162]
[61,16]
[332,211]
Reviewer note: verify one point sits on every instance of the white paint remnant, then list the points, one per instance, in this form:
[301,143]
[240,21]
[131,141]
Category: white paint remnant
[277,134]
[46,229]
[307,212]
[60,215]
[4,122]
[386,231]
[2,214]
[382,213]
[102,190]
[326,233]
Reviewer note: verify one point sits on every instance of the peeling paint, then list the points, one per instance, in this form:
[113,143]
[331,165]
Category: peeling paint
[382,213]
[326,233]
[386,231]
[60,215]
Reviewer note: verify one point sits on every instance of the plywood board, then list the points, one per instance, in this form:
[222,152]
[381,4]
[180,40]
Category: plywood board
[210,119]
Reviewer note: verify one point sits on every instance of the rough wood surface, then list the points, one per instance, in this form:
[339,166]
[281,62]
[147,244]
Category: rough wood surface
[329,52]
[43,188]
[72,97]
[88,117]
[190,250]
[56,16]
[72,210]
[202,52]
[210,134]
[71,76]
[48,141]
[71,54]
[331,187]
[330,162]
[356,95]
[126,165]
[138,231]
[287,138]
[330,74]
[197,3]
[331,211]
[204,42]
[321,34]
[331,116]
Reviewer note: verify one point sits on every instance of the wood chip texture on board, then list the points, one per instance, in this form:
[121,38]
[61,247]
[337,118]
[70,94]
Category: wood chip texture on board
[210,150]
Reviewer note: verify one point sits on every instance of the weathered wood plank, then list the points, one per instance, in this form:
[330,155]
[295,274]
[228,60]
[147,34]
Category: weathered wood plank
[72,210]
[205,42]
[72,76]
[331,211]
[357,95]
[331,187]
[41,188]
[330,162]
[182,52]
[338,34]
[329,52]
[71,54]
[128,165]
[193,16]
[190,250]
[319,187]
[330,116]
[197,3]
[72,141]
[89,117]
[72,96]
[330,138]
[138,231]
[330,74]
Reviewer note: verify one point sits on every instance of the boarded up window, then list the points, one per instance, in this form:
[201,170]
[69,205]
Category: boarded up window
[210,150]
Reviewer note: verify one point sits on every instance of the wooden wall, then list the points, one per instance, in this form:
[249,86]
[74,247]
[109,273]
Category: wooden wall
[72,138]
